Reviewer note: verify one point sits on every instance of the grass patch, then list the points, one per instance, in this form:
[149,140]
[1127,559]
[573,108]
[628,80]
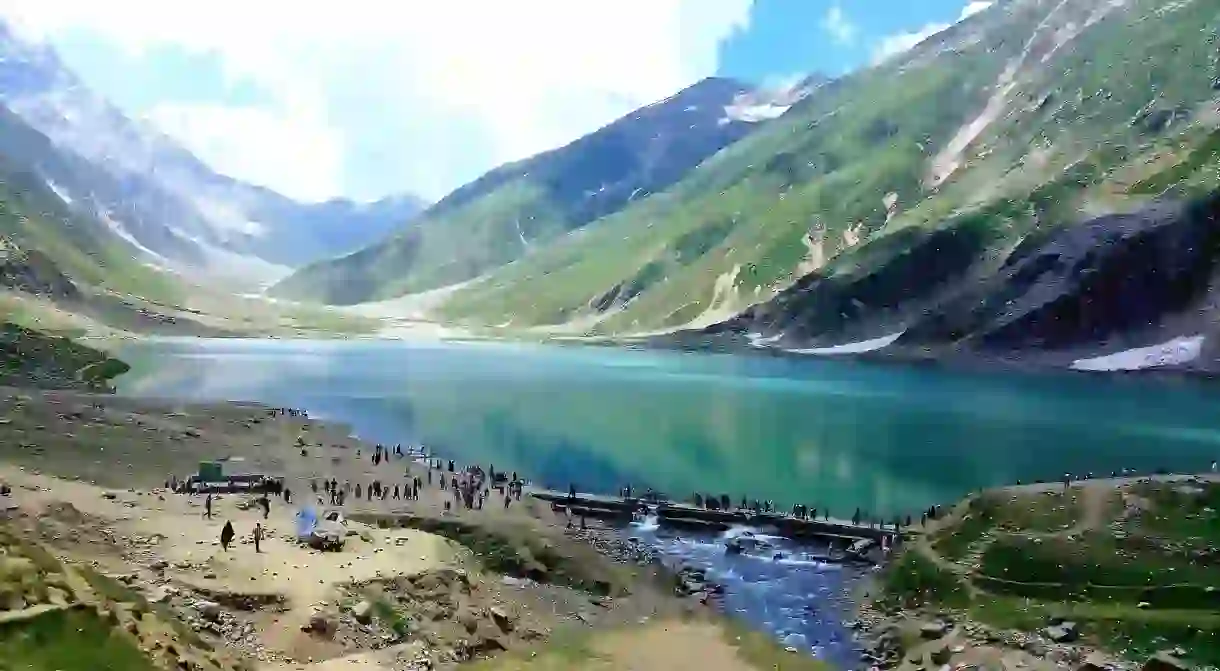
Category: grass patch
[762,652]
[913,580]
[1123,627]
[70,640]
[1096,559]
[385,611]
[1014,512]
[521,550]
[1184,511]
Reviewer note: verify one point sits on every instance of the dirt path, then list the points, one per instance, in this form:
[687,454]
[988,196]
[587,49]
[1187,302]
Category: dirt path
[302,579]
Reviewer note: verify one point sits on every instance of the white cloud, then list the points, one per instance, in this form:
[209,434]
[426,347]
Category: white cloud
[974,8]
[898,43]
[300,155]
[840,27]
[892,45]
[431,92]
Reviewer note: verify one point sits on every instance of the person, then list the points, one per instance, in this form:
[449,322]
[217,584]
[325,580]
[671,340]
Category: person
[266,506]
[287,495]
[226,536]
[258,536]
[207,506]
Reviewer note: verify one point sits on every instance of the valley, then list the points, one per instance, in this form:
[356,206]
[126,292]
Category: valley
[692,298]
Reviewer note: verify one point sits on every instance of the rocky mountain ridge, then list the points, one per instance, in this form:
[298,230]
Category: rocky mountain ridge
[518,208]
[1045,152]
[174,208]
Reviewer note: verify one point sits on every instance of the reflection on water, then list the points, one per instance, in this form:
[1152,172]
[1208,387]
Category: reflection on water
[831,435]
[826,434]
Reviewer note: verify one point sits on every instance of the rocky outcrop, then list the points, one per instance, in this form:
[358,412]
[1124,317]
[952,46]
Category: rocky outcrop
[33,272]
[1116,281]
[1112,275]
[31,358]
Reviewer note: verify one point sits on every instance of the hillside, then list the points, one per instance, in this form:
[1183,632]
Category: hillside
[1053,576]
[910,180]
[176,210]
[521,208]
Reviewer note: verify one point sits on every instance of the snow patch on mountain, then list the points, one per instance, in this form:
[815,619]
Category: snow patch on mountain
[60,192]
[768,103]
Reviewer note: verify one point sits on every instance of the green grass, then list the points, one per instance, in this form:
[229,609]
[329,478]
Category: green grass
[1135,582]
[913,580]
[385,611]
[71,640]
[742,217]
[1138,632]
[1181,513]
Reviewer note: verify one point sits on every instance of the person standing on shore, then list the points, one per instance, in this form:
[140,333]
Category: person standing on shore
[207,506]
[258,536]
[226,536]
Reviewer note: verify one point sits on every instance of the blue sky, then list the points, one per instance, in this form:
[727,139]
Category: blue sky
[388,96]
[801,36]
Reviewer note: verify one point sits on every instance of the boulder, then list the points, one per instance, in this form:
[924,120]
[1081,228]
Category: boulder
[321,623]
[210,610]
[1163,661]
[1065,632]
[934,630]
[363,612]
[501,618]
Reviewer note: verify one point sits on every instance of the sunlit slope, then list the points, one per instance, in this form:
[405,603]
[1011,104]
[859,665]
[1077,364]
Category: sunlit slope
[1029,116]
[522,207]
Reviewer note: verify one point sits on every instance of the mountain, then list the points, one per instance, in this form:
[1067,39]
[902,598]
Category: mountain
[522,207]
[884,197]
[159,196]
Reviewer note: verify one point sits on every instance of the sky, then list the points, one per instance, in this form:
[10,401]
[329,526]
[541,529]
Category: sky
[368,98]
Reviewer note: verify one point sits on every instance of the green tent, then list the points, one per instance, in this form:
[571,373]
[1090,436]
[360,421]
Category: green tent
[211,471]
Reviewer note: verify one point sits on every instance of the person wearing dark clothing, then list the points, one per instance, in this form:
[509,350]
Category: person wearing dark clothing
[287,495]
[396,497]
[572,492]
[226,536]
[207,507]
[266,506]
[258,536]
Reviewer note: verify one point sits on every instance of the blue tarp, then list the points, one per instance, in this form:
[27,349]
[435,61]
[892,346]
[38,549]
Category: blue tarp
[307,520]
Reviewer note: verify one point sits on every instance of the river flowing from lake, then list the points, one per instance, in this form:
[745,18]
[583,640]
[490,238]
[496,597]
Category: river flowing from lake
[830,434]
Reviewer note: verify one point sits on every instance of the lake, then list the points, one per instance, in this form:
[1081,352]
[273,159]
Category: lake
[826,433]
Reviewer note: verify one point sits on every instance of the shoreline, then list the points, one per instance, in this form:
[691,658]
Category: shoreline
[103,472]
[1038,362]
[195,429]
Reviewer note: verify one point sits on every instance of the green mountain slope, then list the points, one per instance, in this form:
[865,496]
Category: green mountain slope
[1031,115]
[521,207]
[34,217]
